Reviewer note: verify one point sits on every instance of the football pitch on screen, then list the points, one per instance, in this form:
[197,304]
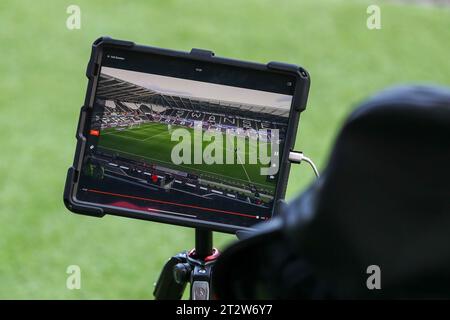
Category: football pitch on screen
[151,142]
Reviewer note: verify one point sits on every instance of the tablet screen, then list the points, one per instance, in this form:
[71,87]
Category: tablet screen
[190,140]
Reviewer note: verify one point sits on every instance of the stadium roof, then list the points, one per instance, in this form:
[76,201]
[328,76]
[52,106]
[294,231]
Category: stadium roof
[117,89]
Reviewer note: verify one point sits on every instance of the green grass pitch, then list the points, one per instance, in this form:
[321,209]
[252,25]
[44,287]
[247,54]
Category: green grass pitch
[152,143]
[43,85]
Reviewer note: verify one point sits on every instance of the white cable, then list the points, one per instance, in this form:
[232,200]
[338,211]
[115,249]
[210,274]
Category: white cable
[313,166]
[298,157]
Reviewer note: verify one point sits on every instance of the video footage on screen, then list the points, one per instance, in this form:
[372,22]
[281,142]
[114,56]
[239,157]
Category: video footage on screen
[179,147]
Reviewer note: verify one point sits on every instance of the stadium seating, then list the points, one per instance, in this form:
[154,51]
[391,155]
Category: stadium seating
[127,105]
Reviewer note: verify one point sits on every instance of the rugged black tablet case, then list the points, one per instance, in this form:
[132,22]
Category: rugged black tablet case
[92,72]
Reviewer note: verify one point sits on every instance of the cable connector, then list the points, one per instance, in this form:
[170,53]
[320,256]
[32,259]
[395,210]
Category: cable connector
[298,157]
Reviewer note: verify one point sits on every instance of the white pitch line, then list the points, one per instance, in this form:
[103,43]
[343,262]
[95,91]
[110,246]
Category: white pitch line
[122,136]
[154,136]
[248,178]
[118,134]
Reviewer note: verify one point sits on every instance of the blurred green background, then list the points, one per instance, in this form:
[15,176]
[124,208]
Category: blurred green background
[42,87]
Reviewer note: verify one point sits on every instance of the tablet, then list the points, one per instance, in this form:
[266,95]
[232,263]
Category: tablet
[184,138]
